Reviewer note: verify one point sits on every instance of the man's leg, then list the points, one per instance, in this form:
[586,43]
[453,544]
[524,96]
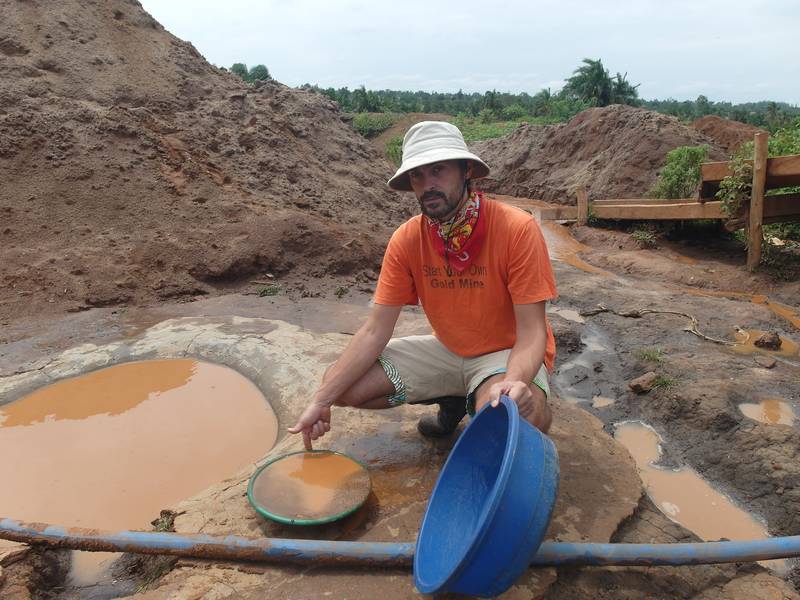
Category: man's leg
[482,398]
[451,410]
[372,391]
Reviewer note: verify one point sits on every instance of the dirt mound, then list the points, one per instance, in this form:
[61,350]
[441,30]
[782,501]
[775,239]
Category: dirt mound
[615,152]
[134,170]
[727,134]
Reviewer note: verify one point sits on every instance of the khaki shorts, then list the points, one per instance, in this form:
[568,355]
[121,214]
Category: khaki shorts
[422,368]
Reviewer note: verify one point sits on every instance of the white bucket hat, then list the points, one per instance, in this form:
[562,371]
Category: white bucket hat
[429,142]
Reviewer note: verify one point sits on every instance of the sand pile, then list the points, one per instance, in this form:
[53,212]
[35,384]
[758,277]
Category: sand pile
[727,134]
[133,170]
[615,152]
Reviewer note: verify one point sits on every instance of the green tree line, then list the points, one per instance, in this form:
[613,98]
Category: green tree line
[591,84]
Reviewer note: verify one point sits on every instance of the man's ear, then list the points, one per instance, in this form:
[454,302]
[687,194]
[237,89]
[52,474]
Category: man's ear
[468,173]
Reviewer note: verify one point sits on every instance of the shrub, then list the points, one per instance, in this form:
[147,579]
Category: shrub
[394,150]
[645,238]
[371,124]
[681,174]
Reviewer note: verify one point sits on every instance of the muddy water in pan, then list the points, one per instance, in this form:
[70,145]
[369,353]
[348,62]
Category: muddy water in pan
[685,497]
[771,411]
[311,486]
[110,449]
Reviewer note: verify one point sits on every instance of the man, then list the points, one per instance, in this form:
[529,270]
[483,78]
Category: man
[481,271]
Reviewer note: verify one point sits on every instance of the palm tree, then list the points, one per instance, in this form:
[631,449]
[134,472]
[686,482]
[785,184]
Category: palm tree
[591,83]
[622,92]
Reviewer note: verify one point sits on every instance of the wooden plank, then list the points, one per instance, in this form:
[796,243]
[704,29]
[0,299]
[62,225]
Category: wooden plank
[642,201]
[781,208]
[678,210]
[782,171]
[781,204]
[755,235]
[583,207]
[555,213]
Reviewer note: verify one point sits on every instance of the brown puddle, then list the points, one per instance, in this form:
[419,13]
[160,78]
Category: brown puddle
[110,449]
[685,497]
[746,338]
[602,401]
[771,411]
[565,248]
[311,486]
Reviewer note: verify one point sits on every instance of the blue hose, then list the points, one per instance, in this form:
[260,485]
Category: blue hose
[232,547]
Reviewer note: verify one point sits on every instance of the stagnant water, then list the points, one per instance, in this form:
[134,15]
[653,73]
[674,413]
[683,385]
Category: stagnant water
[685,497]
[771,411]
[111,448]
[746,344]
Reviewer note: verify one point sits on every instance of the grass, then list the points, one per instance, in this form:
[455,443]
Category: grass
[665,382]
[655,355]
[394,150]
[341,291]
[270,290]
[645,238]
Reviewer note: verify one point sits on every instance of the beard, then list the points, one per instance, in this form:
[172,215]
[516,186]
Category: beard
[437,205]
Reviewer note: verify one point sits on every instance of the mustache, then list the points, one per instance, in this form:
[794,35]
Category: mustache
[432,195]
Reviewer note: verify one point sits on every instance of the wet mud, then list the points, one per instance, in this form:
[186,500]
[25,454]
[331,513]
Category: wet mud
[696,409]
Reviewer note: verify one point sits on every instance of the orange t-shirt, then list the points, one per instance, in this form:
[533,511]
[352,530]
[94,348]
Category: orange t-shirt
[472,313]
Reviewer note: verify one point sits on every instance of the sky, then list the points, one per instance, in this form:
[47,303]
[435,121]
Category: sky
[727,50]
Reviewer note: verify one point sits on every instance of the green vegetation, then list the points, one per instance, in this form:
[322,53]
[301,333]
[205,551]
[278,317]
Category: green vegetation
[269,290]
[645,237]
[650,354]
[735,189]
[766,114]
[341,291]
[256,73]
[681,175]
[592,83]
[371,124]
[394,150]
[665,382]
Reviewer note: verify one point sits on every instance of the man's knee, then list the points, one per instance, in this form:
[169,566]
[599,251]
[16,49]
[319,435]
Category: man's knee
[544,418]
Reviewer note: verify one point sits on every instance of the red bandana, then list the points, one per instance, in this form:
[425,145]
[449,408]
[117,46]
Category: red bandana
[460,239]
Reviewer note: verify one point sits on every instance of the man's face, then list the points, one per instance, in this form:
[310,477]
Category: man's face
[439,188]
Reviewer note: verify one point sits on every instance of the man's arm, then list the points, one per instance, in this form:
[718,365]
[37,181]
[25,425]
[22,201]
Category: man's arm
[527,354]
[524,362]
[359,355]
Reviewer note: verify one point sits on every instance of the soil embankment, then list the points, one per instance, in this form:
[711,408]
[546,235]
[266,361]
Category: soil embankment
[727,134]
[614,152]
[134,171]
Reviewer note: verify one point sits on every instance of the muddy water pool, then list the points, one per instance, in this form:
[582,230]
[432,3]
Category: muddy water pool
[771,411]
[111,448]
[685,497]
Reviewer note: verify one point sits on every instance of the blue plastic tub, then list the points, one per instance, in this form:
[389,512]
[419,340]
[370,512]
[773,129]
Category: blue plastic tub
[490,507]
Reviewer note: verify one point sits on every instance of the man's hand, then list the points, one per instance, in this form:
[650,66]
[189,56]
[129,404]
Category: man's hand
[313,423]
[532,407]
